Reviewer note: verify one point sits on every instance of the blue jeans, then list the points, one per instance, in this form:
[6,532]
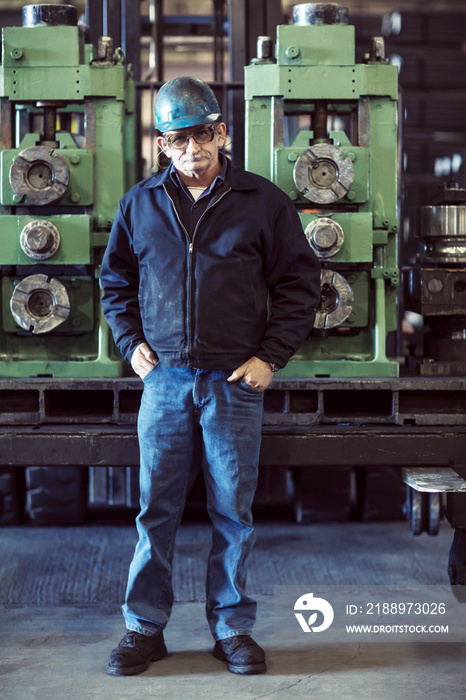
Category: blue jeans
[182,408]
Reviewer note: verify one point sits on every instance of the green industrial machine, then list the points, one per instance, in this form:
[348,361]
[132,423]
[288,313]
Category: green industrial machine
[67,156]
[324,129]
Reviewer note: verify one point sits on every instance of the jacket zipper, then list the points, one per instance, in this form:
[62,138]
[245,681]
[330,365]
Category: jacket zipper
[190,319]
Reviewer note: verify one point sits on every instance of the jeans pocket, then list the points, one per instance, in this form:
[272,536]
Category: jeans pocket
[249,388]
[151,372]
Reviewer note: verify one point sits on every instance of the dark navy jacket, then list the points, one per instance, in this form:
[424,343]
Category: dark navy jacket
[202,302]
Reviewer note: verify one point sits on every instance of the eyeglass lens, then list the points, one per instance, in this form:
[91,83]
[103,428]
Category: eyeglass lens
[202,135]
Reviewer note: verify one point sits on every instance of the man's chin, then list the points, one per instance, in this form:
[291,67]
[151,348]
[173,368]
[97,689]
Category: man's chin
[197,166]
[199,162]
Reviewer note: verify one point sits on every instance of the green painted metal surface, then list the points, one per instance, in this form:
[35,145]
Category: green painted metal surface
[310,46]
[75,247]
[75,114]
[314,115]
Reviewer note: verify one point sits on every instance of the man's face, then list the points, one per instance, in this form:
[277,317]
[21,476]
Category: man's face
[194,159]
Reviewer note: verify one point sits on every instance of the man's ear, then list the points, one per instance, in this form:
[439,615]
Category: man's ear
[222,132]
[162,144]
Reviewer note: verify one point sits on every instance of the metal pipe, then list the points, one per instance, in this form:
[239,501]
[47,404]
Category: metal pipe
[218,12]
[320,120]
[50,120]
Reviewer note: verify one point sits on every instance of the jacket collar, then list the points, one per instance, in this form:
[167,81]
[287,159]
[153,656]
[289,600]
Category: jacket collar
[237,178]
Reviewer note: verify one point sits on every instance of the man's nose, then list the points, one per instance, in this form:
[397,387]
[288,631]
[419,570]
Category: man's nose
[192,145]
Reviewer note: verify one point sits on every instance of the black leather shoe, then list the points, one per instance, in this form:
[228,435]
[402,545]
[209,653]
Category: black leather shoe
[241,653]
[134,654]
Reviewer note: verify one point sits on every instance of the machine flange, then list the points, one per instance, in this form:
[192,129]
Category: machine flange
[40,239]
[323,173]
[443,230]
[40,304]
[336,300]
[39,175]
[325,237]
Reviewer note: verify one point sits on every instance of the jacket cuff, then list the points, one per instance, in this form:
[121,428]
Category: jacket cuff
[128,346]
[271,357]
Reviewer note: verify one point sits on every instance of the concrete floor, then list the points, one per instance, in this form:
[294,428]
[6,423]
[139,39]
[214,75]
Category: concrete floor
[60,652]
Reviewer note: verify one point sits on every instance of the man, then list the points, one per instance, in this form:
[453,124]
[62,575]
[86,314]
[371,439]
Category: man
[194,253]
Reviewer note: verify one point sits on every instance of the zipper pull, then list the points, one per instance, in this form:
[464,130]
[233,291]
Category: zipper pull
[190,247]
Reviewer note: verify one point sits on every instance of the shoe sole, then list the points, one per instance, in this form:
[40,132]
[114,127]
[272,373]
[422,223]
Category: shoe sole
[140,668]
[248,669]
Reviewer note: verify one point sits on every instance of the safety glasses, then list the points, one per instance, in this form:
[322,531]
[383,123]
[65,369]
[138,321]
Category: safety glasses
[179,141]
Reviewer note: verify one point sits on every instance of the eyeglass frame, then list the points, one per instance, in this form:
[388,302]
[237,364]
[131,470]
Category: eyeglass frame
[211,127]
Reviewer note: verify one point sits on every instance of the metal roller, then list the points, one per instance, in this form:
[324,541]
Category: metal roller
[39,175]
[320,13]
[40,239]
[50,15]
[435,514]
[336,301]
[325,237]
[40,304]
[424,511]
[443,229]
[323,173]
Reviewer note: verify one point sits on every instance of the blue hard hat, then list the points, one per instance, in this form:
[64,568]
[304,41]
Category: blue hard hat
[183,102]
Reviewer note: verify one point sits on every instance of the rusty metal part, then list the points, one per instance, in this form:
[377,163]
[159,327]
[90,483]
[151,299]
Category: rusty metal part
[50,120]
[6,123]
[105,53]
[319,120]
[376,53]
